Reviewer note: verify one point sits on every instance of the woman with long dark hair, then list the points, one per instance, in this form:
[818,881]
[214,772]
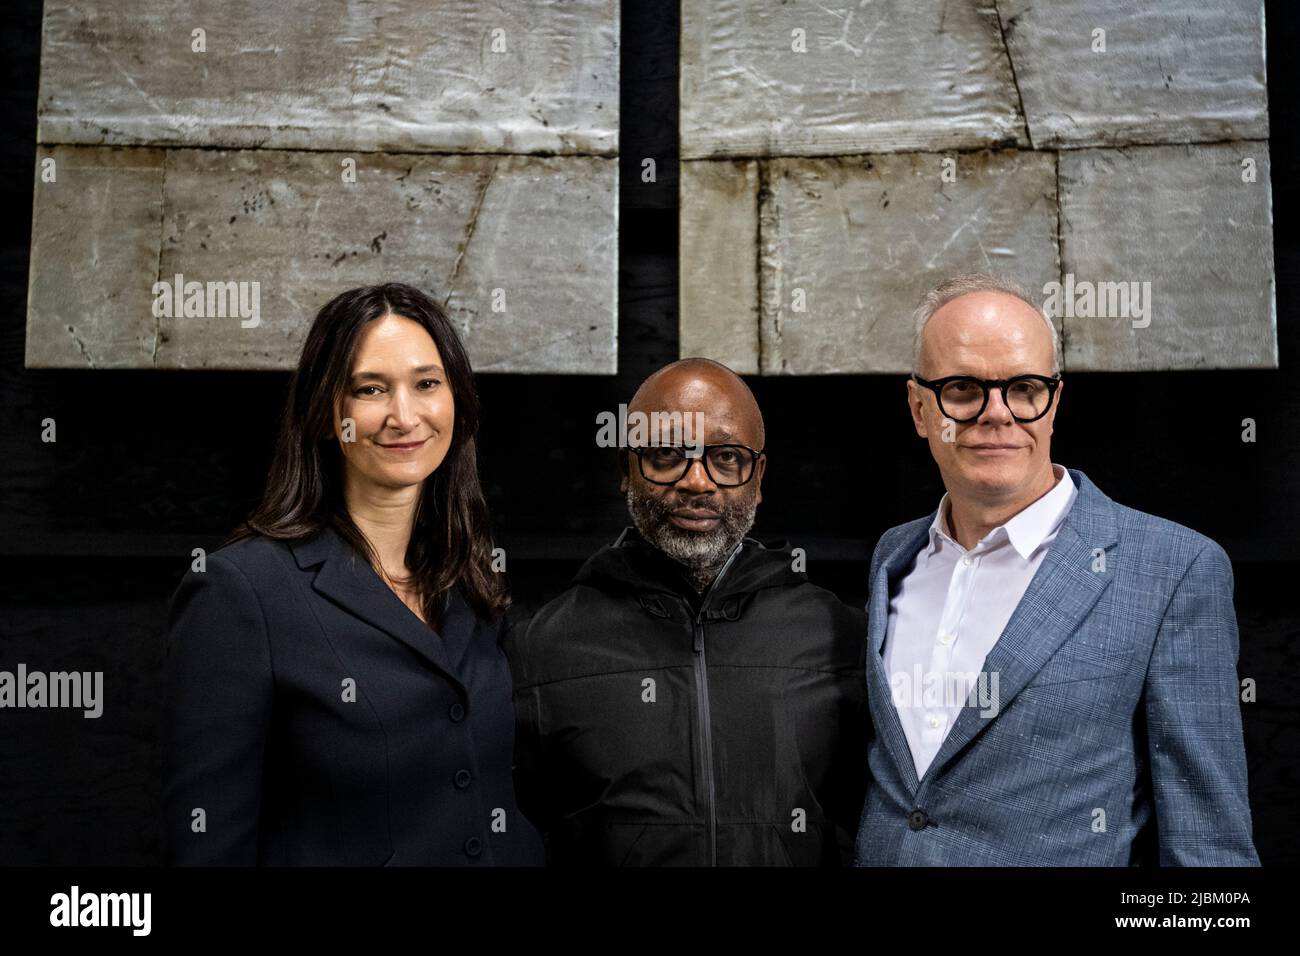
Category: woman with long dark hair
[336,691]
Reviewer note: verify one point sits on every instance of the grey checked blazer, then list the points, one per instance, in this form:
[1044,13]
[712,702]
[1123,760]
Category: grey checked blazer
[1118,707]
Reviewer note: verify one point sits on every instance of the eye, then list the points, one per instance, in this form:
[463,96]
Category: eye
[666,456]
[363,390]
[432,383]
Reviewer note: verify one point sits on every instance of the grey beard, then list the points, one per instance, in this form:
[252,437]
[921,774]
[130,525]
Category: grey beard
[701,554]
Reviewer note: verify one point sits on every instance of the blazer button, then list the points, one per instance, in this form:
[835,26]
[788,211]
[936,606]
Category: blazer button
[473,846]
[918,820]
[461,779]
[457,712]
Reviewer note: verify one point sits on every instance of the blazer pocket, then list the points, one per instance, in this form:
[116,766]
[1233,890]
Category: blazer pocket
[1072,665]
[1116,674]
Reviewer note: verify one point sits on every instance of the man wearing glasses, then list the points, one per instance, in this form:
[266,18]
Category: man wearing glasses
[692,699]
[1051,675]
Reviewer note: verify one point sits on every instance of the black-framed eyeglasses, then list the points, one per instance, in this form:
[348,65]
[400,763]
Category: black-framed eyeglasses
[728,466]
[963,398]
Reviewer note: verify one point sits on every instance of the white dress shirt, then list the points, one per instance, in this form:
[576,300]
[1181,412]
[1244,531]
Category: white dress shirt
[950,609]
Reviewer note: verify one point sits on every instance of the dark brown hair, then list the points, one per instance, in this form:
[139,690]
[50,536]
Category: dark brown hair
[451,541]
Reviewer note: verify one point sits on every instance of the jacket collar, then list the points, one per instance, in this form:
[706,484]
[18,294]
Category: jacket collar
[633,564]
[347,579]
[1024,531]
[1062,593]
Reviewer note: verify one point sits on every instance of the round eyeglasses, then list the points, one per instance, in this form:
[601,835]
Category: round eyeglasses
[963,398]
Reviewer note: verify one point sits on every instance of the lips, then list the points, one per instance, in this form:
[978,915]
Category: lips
[993,448]
[694,519]
[404,446]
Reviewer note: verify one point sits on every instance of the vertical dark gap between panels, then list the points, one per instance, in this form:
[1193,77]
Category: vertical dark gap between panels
[648,114]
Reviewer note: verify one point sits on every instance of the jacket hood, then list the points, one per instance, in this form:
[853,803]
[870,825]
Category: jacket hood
[631,565]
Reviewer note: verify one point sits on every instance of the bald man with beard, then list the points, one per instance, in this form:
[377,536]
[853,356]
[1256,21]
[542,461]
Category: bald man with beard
[692,699]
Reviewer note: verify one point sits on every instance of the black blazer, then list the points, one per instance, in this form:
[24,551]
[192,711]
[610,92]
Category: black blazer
[314,720]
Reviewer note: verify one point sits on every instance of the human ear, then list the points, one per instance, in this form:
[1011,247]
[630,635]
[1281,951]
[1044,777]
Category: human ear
[914,399]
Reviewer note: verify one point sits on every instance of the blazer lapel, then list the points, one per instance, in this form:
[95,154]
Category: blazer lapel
[1062,593]
[457,627]
[880,699]
[348,580]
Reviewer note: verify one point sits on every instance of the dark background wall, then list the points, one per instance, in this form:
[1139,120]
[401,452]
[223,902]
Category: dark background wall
[97,528]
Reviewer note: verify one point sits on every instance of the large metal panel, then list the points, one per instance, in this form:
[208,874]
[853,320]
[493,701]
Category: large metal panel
[501,76]
[849,246]
[1184,235]
[299,148]
[1115,72]
[719,262]
[803,78]
[477,231]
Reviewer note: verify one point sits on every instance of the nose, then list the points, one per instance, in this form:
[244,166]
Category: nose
[402,414]
[696,480]
[996,411]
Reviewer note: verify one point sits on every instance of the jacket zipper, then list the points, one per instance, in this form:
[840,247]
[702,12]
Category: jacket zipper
[706,734]
[702,706]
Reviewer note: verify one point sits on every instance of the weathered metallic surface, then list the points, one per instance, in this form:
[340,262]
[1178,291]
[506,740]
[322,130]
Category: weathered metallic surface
[95,240]
[397,76]
[1181,218]
[1175,71]
[719,262]
[877,77]
[944,75]
[542,230]
[865,237]
[299,88]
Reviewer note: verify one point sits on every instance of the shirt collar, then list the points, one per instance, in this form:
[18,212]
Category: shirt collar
[1027,529]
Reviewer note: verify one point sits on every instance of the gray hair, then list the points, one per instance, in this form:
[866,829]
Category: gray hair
[965,284]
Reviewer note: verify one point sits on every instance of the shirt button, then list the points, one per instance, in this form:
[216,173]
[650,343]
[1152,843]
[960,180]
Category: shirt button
[947,638]
[968,561]
[461,779]
[457,712]
[917,820]
[473,846]
[935,721]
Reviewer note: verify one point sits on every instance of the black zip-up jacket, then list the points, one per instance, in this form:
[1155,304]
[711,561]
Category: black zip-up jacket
[658,726]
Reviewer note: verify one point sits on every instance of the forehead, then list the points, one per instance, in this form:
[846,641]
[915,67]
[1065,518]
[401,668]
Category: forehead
[986,331]
[397,338]
[726,408]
